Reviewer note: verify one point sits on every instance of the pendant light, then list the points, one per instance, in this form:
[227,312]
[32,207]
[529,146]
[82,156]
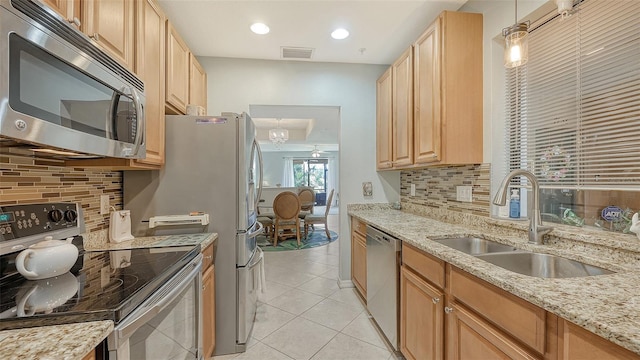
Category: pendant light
[516,37]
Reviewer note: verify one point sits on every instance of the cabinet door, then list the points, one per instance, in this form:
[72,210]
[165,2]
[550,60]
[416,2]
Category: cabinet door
[576,343]
[359,263]
[66,9]
[177,75]
[110,23]
[426,74]
[208,312]
[421,317]
[384,133]
[197,83]
[471,337]
[150,67]
[402,113]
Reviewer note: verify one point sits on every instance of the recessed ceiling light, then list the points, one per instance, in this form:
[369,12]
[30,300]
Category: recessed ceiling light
[340,34]
[260,28]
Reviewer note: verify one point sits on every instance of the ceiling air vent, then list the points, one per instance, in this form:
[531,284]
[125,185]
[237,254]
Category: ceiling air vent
[296,53]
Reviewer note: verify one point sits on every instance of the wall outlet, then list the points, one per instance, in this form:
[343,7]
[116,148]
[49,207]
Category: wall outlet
[412,192]
[464,193]
[104,204]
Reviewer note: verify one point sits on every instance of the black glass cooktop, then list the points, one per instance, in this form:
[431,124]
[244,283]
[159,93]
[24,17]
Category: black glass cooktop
[102,285]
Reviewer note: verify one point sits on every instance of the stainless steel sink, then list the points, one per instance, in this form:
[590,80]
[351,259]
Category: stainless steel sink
[475,246]
[542,265]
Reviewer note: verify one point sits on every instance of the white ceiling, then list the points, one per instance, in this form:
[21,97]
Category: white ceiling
[383,28]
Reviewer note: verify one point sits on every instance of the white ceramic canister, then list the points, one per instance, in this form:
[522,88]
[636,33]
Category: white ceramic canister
[47,258]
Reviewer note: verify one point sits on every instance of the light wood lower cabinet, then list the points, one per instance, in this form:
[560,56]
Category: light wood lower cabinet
[421,317]
[576,343]
[91,355]
[471,337]
[359,256]
[482,321]
[208,312]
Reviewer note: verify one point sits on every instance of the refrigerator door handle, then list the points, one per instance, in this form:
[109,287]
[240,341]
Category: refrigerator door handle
[257,232]
[260,166]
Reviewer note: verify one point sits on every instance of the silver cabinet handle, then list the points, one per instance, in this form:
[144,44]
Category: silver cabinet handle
[74,21]
[435,300]
[95,37]
[448,310]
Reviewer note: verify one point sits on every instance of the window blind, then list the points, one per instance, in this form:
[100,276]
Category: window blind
[573,111]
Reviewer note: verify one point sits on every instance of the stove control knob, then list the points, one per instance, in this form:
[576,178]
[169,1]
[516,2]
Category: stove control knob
[70,215]
[55,215]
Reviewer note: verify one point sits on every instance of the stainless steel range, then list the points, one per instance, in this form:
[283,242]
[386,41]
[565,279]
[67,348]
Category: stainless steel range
[152,294]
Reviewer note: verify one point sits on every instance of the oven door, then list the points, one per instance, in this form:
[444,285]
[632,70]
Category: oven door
[167,325]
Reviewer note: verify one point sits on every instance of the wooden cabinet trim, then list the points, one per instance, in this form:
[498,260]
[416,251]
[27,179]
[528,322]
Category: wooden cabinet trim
[523,320]
[427,266]
[207,256]
[208,312]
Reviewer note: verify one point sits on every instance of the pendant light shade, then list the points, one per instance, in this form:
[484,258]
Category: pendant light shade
[516,37]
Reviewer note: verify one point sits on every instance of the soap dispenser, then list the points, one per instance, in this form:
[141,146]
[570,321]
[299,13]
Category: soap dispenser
[514,204]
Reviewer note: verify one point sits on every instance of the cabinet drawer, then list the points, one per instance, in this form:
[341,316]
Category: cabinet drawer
[521,319]
[425,265]
[207,257]
[359,226]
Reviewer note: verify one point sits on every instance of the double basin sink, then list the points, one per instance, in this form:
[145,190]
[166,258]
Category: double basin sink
[522,261]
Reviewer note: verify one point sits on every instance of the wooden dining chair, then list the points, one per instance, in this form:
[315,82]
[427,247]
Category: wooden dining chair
[307,200]
[311,219]
[286,207]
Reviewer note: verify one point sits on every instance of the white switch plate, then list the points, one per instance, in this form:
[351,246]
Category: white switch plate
[105,277]
[413,190]
[104,204]
[464,193]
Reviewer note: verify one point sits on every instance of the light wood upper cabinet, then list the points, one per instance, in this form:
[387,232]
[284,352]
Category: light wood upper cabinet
[68,9]
[437,96]
[197,83]
[426,95]
[177,72]
[402,109]
[150,66]
[384,151]
[110,23]
[421,317]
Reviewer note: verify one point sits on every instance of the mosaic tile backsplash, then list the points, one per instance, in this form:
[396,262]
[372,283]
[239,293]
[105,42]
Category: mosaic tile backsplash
[436,187]
[25,180]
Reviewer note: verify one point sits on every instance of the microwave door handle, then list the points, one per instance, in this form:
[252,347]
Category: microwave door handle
[111,119]
[140,127]
[154,309]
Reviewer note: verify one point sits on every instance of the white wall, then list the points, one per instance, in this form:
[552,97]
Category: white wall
[497,14]
[234,84]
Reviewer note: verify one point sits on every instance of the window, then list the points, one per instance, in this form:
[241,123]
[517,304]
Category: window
[573,113]
[311,173]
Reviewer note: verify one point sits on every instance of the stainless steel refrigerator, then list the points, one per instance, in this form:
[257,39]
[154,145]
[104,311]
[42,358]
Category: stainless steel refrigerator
[213,165]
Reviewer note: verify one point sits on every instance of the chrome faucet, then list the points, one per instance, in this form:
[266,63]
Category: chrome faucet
[536,230]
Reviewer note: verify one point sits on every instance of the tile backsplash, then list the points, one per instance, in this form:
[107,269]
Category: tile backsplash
[26,180]
[436,187]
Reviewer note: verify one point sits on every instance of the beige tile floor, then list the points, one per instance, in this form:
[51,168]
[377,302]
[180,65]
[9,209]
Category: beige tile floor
[305,315]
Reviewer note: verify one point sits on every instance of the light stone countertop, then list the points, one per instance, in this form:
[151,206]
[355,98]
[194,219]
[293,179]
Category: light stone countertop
[68,342]
[73,341]
[607,305]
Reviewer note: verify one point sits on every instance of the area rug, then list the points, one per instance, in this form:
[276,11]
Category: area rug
[314,239]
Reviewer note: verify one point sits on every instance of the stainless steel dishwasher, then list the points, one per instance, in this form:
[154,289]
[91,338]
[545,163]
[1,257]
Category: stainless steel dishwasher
[383,265]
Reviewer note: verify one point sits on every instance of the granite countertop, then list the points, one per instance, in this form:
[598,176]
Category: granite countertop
[70,341]
[73,341]
[607,305]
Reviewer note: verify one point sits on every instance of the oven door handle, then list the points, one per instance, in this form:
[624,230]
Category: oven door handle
[155,308]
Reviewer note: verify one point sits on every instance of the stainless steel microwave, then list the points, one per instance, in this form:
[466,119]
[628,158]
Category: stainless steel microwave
[60,95]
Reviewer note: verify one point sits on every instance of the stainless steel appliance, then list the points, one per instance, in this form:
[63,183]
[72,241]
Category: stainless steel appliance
[212,165]
[60,95]
[383,263]
[152,295]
